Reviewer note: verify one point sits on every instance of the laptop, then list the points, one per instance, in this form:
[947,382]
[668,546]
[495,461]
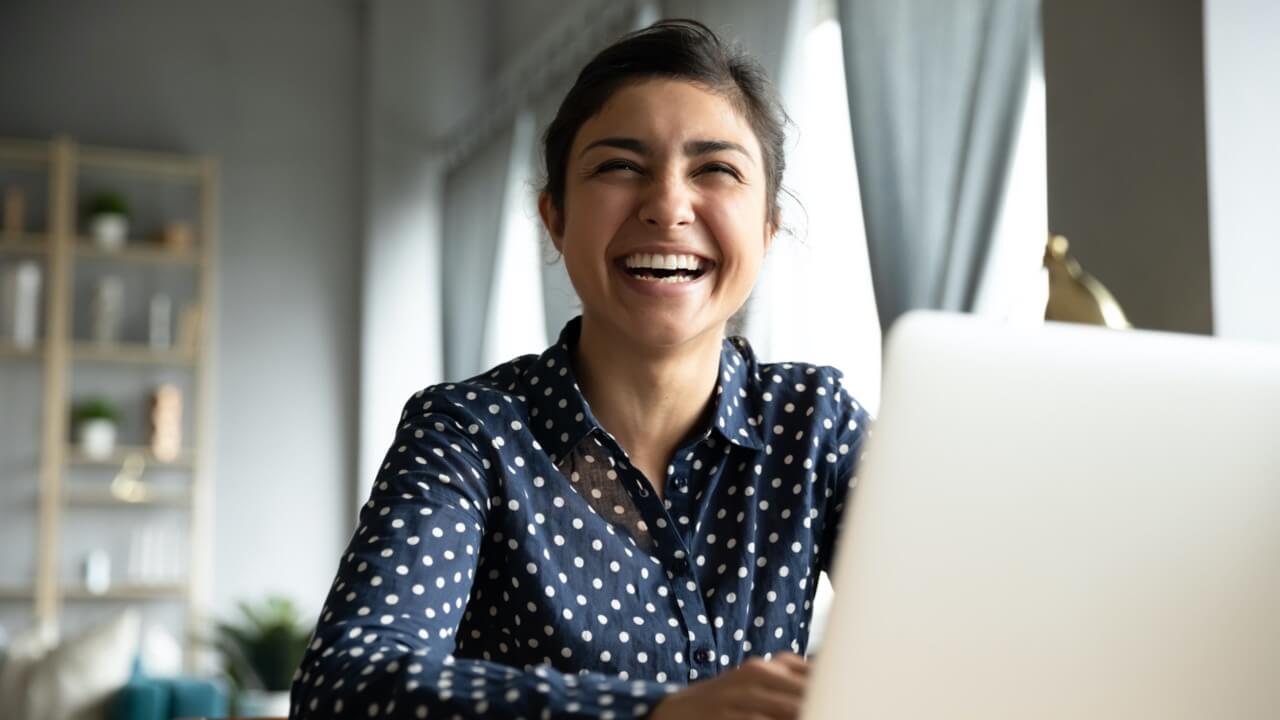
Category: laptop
[1060,522]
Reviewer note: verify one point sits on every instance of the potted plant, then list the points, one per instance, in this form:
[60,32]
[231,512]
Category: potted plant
[261,652]
[95,423]
[108,220]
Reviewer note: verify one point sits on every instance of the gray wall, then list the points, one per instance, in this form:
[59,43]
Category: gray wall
[1126,152]
[273,90]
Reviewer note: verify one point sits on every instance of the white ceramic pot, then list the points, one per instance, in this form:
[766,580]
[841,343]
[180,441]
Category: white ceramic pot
[97,438]
[109,230]
[262,704]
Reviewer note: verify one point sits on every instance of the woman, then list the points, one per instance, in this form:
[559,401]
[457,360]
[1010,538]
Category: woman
[632,523]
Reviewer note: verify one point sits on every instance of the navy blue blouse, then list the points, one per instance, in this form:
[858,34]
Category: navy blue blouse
[511,562]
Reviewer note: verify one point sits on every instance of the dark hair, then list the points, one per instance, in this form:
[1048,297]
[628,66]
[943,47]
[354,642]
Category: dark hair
[678,50]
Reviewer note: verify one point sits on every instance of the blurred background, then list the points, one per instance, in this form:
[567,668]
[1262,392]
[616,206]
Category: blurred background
[238,235]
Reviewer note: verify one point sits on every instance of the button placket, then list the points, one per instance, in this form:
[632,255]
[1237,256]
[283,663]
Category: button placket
[682,571]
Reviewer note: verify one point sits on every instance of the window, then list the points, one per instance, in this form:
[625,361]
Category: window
[516,323]
[814,301]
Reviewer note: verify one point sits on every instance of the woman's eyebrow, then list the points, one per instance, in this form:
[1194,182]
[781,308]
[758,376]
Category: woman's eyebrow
[706,147]
[692,148]
[622,143]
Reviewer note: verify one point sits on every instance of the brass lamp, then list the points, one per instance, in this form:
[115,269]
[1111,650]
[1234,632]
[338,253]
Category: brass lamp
[1075,295]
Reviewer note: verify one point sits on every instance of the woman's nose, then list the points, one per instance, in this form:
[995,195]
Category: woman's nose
[668,203]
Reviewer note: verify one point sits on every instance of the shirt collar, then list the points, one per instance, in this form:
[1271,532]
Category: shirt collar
[561,418]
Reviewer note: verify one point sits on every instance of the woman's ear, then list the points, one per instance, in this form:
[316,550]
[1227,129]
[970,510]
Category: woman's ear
[552,220]
[770,231]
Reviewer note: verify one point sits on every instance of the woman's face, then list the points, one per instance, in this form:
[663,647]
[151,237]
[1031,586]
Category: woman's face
[664,224]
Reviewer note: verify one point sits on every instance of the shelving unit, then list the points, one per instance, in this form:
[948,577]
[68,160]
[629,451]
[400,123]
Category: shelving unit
[63,357]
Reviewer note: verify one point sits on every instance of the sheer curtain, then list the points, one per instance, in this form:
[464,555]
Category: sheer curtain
[814,301]
[516,322]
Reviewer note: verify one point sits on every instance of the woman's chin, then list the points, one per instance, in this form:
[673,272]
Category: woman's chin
[665,331]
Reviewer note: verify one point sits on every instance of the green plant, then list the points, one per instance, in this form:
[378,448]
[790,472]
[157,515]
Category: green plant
[108,203]
[94,409]
[264,649]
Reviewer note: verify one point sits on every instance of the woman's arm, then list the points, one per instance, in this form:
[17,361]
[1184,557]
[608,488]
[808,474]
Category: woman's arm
[848,434]
[383,645]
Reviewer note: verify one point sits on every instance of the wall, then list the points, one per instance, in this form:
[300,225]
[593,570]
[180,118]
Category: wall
[272,90]
[1241,60]
[425,61]
[1126,152]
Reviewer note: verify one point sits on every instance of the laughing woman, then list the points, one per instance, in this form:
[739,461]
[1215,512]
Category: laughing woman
[632,523]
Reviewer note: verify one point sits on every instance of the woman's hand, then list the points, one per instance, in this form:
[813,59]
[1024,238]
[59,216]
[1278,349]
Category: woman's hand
[758,688]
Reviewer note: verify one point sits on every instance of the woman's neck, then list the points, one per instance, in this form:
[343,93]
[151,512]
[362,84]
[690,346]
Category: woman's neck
[649,400]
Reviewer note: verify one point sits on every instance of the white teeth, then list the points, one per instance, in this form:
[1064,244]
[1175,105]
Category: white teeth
[663,262]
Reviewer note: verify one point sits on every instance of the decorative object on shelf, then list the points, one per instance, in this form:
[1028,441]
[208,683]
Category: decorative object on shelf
[20,303]
[108,310]
[97,572]
[128,485]
[157,553]
[15,212]
[189,328]
[160,322]
[108,220]
[261,653]
[176,237]
[95,422]
[166,422]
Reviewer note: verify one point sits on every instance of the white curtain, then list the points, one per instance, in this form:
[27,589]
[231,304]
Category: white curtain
[814,300]
[516,322]
[472,225]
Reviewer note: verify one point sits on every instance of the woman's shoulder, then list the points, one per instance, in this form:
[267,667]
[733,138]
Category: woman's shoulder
[799,395]
[818,386]
[494,394]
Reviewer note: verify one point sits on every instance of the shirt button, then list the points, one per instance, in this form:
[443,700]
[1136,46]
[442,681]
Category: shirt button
[702,656]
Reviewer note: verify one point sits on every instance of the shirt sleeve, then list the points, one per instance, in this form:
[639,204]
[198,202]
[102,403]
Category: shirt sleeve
[384,641]
[850,430]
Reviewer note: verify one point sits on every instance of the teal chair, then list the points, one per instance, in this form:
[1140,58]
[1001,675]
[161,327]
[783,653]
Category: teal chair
[148,698]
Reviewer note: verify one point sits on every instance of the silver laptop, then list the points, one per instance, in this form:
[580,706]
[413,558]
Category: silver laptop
[1061,522]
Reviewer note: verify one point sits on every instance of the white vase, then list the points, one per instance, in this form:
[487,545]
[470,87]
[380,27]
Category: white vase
[97,438]
[263,704]
[109,230]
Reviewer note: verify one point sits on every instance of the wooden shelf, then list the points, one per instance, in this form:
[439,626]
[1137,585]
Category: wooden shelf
[104,498]
[17,594]
[24,244]
[65,253]
[9,350]
[24,153]
[129,592]
[129,354]
[138,251]
[142,162]
[186,458]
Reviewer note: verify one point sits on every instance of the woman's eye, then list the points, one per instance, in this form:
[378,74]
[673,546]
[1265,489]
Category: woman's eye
[614,165]
[720,168]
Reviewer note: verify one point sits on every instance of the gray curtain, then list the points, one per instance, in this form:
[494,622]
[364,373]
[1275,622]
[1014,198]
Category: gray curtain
[936,89]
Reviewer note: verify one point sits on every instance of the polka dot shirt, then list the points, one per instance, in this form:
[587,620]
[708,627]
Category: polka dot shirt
[511,562]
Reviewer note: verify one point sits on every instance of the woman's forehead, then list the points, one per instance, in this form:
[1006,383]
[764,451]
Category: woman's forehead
[664,112]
